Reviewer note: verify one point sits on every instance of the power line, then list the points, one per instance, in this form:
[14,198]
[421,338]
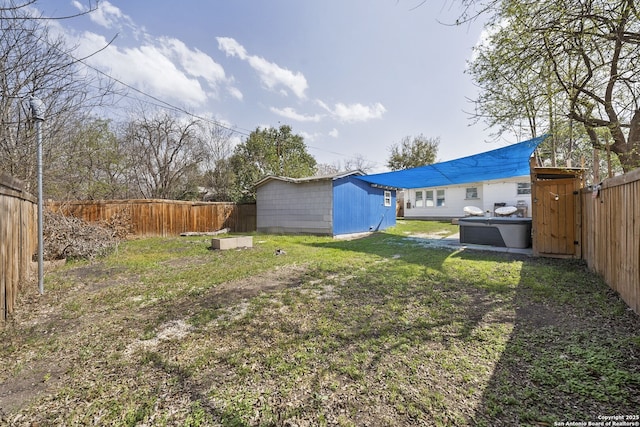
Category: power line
[164,104]
[160,102]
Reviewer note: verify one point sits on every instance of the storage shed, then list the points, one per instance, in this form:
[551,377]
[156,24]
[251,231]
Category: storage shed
[332,205]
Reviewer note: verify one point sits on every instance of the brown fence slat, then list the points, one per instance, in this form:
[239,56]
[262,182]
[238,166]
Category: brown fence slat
[165,217]
[18,240]
[611,234]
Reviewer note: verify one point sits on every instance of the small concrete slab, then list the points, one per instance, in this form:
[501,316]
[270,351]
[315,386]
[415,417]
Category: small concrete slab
[226,243]
[244,241]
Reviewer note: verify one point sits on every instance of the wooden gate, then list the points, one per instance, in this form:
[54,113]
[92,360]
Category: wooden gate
[556,214]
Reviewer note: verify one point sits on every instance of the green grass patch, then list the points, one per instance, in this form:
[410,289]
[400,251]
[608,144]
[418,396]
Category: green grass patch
[374,331]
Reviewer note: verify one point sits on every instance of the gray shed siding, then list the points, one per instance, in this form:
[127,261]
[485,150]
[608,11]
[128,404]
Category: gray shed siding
[285,207]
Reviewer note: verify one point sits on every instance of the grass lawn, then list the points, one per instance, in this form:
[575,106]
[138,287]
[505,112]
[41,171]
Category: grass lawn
[377,331]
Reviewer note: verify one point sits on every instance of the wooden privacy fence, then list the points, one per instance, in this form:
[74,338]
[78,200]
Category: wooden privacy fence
[153,217]
[18,240]
[611,234]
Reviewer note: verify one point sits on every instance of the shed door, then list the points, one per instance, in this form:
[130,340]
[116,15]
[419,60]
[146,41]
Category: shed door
[555,217]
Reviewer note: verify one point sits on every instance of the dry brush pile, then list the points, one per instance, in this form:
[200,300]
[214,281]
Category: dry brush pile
[71,237]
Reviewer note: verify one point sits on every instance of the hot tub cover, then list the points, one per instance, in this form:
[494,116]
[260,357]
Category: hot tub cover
[506,210]
[473,210]
[495,220]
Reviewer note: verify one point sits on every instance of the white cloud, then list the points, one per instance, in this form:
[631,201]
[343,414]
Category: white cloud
[147,68]
[163,67]
[235,92]
[353,113]
[290,113]
[193,61]
[105,15]
[231,47]
[334,133]
[309,137]
[484,42]
[272,75]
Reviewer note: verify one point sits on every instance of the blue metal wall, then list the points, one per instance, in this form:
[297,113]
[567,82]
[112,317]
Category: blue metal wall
[359,207]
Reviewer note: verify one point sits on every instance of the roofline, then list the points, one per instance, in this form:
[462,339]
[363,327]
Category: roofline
[331,177]
[384,187]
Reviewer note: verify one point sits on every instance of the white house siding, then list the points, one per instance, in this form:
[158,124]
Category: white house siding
[285,207]
[489,193]
[506,191]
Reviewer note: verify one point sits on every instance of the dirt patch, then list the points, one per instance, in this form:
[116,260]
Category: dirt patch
[278,278]
[175,329]
[533,316]
[24,376]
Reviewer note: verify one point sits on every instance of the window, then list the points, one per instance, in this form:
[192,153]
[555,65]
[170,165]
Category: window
[387,198]
[429,198]
[419,201]
[472,193]
[524,188]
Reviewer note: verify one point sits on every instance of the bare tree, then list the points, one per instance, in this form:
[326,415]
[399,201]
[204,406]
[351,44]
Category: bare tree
[166,153]
[324,169]
[218,177]
[358,162]
[32,62]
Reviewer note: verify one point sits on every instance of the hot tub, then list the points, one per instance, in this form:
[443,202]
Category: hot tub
[496,231]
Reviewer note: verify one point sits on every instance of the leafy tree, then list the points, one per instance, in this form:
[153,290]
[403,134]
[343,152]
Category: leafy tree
[90,163]
[266,152]
[413,152]
[574,61]
[520,95]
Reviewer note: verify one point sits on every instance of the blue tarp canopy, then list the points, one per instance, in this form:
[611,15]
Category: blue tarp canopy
[505,162]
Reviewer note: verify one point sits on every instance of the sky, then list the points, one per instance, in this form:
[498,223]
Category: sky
[353,77]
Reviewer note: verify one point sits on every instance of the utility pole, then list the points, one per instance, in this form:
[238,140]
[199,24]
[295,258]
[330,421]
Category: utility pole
[37,113]
[279,151]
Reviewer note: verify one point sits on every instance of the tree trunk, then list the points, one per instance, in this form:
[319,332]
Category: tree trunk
[629,152]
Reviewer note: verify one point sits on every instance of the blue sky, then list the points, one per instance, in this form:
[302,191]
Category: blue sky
[352,76]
